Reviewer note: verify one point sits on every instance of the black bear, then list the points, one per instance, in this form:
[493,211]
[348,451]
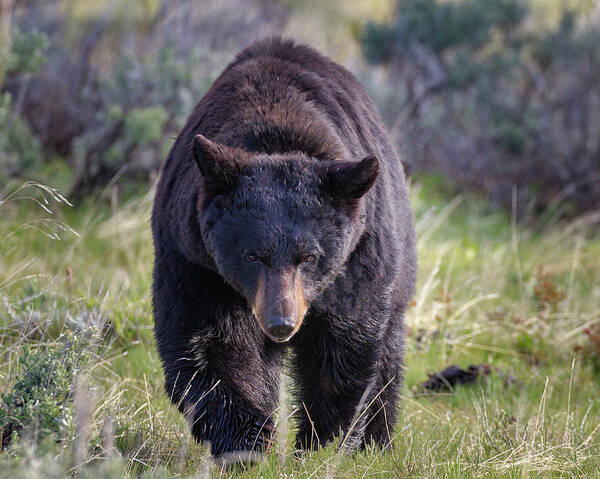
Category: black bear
[282,222]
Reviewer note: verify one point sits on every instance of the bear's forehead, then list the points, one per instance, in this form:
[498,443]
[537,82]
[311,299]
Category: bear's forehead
[293,171]
[278,239]
[272,191]
[276,203]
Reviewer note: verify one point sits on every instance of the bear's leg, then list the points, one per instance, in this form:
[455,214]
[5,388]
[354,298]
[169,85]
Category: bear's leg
[220,370]
[383,413]
[336,378]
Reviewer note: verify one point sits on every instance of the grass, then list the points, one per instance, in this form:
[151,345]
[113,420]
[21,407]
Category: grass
[522,296]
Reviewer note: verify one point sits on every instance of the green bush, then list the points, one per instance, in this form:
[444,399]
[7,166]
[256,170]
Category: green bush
[494,102]
[113,93]
[27,52]
[41,399]
[19,148]
[145,125]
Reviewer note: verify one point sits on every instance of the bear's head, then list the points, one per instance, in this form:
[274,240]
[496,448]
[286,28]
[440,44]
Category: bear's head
[279,228]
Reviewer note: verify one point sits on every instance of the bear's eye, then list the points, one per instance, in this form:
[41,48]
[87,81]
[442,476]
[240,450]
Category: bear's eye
[253,258]
[307,258]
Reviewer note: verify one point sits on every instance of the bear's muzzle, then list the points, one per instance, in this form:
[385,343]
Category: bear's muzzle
[279,304]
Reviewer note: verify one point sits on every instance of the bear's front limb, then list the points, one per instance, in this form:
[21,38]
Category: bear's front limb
[229,422]
[383,413]
[220,370]
[336,374]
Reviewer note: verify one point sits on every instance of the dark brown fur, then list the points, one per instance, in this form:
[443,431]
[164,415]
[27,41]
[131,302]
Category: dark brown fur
[288,128]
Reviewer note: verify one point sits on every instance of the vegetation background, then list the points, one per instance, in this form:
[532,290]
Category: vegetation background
[495,107]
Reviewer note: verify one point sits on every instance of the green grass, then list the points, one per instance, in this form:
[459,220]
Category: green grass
[518,295]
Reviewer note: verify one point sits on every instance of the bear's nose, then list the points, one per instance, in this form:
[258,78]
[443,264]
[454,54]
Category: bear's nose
[281,327]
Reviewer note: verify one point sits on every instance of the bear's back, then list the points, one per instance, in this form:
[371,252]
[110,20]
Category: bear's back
[330,92]
[306,58]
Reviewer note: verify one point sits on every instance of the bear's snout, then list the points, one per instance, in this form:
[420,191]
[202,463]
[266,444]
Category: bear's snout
[281,327]
[279,304]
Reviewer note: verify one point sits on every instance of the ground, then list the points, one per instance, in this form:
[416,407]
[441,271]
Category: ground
[521,295]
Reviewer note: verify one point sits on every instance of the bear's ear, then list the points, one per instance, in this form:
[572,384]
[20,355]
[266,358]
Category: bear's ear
[350,180]
[220,165]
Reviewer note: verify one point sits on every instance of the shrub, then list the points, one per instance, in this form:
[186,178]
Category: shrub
[119,82]
[494,103]
[590,349]
[41,399]
[19,149]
